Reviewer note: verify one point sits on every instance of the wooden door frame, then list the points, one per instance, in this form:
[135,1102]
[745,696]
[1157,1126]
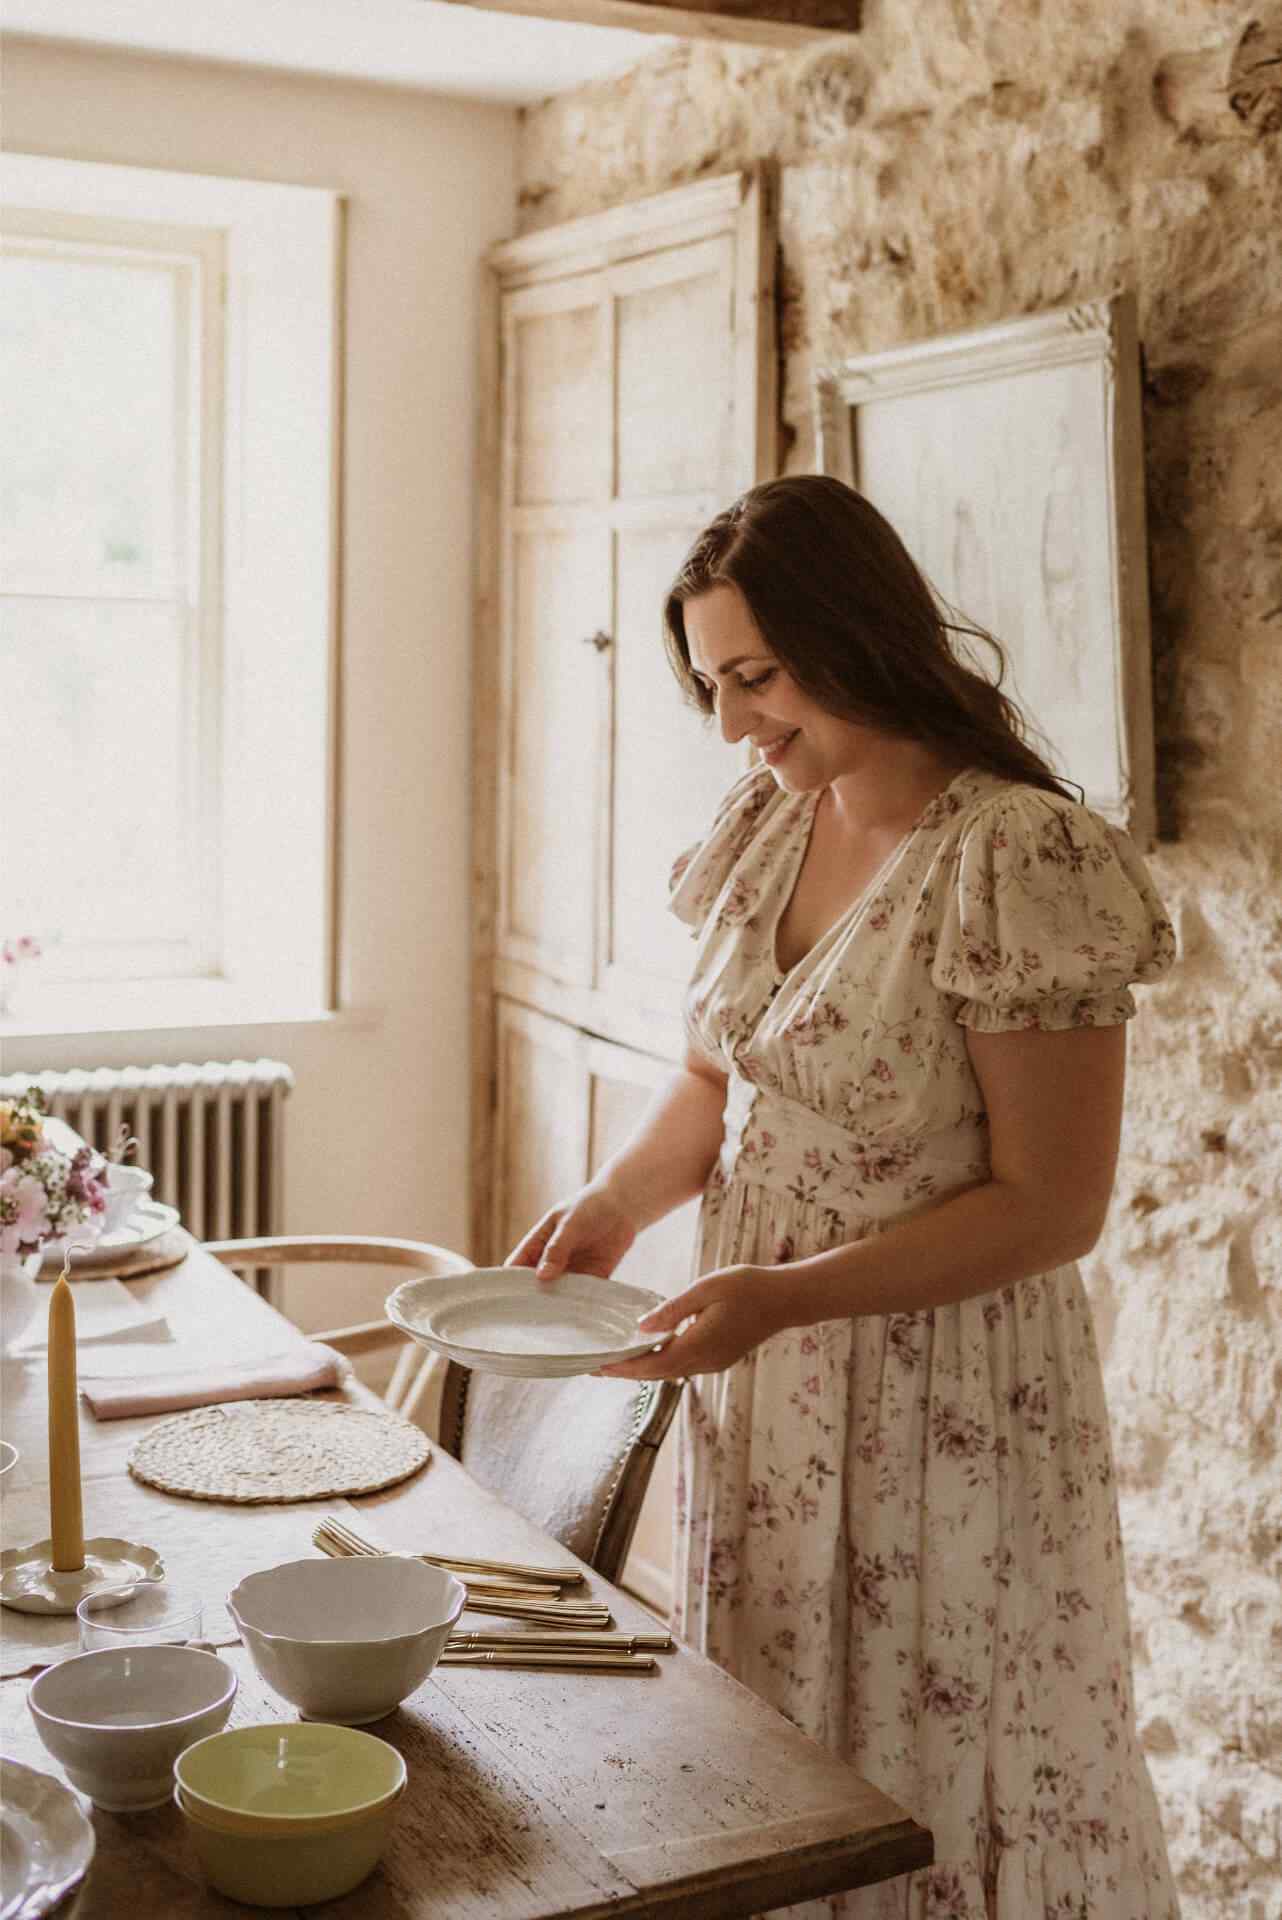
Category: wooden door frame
[743,205]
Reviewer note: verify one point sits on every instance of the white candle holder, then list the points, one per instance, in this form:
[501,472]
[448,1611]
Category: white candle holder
[30,1583]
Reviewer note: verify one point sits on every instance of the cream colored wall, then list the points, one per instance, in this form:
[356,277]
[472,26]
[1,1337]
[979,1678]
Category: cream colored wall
[377,1133]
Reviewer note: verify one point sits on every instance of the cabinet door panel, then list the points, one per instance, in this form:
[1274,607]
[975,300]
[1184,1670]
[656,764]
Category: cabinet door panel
[559,396]
[620,1086]
[674,371]
[669,769]
[550,782]
[542,1146]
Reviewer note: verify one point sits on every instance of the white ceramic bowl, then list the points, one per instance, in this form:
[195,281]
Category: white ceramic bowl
[346,1640]
[117,1719]
[126,1186]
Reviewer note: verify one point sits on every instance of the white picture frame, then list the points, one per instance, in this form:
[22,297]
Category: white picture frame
[1010,461]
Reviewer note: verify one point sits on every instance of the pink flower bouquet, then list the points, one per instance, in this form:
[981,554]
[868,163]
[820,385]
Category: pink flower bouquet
[46,1192]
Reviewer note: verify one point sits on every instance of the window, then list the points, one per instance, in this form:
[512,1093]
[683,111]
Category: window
[168,370]
[111,413]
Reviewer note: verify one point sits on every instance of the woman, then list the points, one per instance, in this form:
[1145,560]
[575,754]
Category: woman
[901,1103]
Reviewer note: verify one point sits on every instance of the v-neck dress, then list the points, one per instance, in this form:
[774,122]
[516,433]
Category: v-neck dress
[902,1529]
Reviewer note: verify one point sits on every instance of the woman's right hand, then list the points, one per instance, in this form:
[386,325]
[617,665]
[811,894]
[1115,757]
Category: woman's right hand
[589,1233]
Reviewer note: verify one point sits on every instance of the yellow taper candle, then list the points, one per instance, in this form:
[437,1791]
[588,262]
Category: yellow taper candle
[66,1519]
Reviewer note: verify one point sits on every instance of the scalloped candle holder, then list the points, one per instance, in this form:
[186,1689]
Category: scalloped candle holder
[30,1583]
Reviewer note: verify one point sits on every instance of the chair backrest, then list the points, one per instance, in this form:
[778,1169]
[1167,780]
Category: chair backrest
[574,1455]
[418,1376]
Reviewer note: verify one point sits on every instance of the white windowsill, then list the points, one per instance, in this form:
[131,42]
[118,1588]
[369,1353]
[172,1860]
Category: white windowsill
[53,1012]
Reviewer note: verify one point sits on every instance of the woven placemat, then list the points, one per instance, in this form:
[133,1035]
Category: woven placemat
[259,1452]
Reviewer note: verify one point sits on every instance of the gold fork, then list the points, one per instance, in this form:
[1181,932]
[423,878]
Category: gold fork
[481,1598]
[352,1542]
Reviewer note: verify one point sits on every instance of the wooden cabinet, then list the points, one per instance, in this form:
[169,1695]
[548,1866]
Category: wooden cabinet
[566,1102]
[630,363]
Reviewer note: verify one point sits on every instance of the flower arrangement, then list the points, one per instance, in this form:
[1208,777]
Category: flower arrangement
[46,1193]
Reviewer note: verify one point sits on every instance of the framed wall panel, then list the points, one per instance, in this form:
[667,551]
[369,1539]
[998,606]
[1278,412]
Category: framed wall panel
[1010,460]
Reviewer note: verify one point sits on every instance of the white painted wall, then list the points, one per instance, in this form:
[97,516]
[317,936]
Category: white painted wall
[378,1126]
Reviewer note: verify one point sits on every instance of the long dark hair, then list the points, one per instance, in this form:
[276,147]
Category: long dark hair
[842,605]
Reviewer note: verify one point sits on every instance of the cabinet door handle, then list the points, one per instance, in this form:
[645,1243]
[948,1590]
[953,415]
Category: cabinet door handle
[601,641]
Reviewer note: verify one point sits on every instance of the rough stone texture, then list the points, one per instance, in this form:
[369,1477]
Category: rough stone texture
[960,162]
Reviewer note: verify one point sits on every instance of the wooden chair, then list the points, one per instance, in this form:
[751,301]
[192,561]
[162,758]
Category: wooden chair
[417,1375]
[574,1455]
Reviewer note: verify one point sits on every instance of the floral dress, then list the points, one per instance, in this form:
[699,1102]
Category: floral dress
[902,1530]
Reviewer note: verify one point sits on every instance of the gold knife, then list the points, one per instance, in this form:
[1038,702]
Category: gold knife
[550,1613]
[507,1589]
[567,1662]
[586,1638]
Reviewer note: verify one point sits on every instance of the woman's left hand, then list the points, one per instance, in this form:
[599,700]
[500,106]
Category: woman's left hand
[731,1311]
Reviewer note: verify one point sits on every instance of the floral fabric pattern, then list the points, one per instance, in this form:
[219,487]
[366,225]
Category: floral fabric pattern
[902,1530]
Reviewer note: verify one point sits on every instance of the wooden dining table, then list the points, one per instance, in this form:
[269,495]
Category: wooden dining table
[532,1795]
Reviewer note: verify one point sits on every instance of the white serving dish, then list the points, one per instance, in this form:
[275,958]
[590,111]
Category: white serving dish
[346,1640]
[504,1320]
[118,1718]
[46,1842]
[150,1219]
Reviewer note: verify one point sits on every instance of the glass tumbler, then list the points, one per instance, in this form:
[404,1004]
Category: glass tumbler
[142,1614]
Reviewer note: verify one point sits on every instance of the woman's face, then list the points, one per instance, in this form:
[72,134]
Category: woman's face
[755,698]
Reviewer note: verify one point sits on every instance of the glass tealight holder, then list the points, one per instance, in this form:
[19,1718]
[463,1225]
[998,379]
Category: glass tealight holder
[150,1614]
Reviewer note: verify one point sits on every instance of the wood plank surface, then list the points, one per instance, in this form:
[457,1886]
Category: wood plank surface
[532,1795]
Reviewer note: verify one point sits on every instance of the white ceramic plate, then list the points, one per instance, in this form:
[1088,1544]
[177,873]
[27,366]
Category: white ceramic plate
[47,1842]
[503,1320]
[151,1219]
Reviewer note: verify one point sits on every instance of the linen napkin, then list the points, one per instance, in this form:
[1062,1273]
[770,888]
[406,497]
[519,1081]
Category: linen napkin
[303,1367]
[105,1310]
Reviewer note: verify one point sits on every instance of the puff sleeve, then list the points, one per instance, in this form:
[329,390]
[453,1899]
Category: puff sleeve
[699,875]
[1049,916]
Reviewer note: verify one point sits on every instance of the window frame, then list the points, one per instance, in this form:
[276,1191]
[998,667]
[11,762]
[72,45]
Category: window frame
[278,534]
[197,258]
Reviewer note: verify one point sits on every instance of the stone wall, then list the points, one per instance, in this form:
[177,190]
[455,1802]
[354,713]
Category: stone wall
[961,162]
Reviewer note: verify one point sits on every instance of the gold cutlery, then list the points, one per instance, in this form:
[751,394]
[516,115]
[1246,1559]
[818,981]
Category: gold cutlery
[548,1610]
[586,1640]
[347,1540]
[550,1613]
[507,1570]
[497,1589]
[567,1662]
